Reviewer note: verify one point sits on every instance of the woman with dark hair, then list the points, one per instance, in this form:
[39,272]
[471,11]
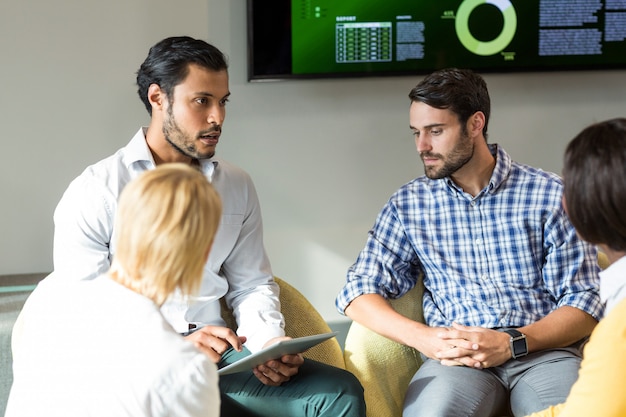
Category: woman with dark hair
[595,197]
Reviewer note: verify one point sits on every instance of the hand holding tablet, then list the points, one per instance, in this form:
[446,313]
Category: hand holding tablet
[275,351]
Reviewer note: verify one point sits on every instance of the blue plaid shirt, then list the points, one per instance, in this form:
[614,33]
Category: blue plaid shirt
[504,258]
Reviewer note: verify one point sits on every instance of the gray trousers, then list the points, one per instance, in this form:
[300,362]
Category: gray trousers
[518,387]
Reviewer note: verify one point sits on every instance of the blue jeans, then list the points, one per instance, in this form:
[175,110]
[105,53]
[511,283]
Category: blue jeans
[518,387]
[317,390]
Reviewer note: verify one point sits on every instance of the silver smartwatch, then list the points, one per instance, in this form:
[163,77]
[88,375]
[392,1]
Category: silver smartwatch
[519,347]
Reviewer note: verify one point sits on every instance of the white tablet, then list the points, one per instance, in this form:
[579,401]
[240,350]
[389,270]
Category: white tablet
[275,351]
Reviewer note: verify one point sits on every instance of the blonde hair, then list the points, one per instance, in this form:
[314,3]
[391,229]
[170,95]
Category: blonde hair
[165,224]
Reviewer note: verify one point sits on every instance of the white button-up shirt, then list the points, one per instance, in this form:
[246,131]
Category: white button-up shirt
[613,284]
[238,267]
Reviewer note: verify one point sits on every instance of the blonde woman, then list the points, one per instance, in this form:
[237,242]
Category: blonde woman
[101,347]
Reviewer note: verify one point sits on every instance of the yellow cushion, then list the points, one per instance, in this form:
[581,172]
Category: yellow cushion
[383,366]
[301,319]
[603,260]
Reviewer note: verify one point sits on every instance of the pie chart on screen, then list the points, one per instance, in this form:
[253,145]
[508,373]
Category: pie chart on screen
[482,47]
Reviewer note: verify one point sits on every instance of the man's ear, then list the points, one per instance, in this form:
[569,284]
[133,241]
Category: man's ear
[476,123]
[156,97]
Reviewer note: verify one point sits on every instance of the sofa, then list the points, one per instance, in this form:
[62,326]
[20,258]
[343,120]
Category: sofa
[14,290]
[383,366]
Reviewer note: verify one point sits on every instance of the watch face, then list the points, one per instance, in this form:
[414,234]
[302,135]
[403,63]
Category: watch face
[519,347]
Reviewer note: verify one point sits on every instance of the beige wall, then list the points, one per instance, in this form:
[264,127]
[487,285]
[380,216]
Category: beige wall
[325,154]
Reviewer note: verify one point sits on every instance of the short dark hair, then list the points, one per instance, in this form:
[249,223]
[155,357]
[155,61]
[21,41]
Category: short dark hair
[594,173]
[461,90]
[168,62]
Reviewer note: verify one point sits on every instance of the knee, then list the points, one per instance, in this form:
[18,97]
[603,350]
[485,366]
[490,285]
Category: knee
[345,384]
[445,392]
[348,383]
[339,394]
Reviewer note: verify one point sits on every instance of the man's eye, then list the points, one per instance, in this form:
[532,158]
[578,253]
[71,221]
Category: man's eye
[224,101]
[436,131]
[201,100]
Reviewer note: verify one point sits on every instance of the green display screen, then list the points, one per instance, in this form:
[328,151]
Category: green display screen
[328,38]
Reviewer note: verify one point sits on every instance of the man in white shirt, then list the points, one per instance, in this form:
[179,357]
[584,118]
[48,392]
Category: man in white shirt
[183,84]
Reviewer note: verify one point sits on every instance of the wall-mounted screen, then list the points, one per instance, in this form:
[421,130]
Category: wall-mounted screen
[344,38]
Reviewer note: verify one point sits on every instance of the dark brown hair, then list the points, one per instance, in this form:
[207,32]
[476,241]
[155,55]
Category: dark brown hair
[168,62]
[594,172]
[461,90]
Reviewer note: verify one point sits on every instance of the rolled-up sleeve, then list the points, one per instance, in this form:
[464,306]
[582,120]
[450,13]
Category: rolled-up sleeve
[387,266]
[571,268]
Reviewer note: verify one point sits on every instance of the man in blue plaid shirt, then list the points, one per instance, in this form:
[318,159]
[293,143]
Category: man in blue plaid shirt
[510,290]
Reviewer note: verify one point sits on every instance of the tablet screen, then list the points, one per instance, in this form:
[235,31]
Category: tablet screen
[284,347]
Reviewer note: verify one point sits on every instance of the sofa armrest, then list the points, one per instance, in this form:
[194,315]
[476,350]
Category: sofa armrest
[384,367]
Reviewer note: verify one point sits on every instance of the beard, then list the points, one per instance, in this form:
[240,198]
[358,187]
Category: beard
[460,155]
[181,140]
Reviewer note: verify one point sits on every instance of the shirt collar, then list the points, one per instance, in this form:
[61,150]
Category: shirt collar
[138,152]
[208,167]
[613,282]
[500,172]
[502,168]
